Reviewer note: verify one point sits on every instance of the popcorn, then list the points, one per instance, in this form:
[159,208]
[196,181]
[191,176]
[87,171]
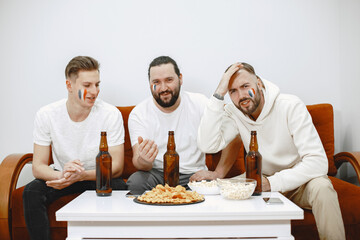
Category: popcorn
[237,189]
[204,183]
[205,187]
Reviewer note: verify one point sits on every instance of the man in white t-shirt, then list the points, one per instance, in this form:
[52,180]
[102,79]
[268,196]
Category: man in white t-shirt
[169,109]
[69,131]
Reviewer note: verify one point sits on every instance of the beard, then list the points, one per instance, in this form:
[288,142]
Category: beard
[169,103]
[255,103]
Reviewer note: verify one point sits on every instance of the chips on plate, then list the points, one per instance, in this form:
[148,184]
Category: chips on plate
[167,194]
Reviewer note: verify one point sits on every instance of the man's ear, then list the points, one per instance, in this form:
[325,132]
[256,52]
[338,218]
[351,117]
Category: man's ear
[260,83]
[180,78]
[68,85]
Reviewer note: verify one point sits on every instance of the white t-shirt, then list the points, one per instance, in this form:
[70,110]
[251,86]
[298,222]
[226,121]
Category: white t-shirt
[149,122]
[77,140]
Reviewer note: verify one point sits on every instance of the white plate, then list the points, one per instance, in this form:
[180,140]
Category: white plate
[203,189]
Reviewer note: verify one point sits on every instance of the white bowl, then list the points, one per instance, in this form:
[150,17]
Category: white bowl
[238,189]
[205,187]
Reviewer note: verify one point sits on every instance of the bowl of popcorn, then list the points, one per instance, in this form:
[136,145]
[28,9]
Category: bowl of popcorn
[237,189]
[205,187]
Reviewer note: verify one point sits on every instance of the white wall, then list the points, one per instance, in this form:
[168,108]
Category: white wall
[308,48]
[349,113]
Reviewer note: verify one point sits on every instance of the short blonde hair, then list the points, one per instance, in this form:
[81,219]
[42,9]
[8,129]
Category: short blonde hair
[80,63]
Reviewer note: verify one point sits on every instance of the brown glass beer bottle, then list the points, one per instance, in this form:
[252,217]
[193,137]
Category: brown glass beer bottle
[253,164]
[103,169]
[171,163]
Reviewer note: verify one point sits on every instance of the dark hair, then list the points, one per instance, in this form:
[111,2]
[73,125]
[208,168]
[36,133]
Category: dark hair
[80,63]
[164,60]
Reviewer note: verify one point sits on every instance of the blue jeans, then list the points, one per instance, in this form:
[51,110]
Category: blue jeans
[37,196]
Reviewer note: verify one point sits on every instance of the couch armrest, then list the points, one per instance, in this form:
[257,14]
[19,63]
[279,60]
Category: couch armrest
[352,157]
[10,169]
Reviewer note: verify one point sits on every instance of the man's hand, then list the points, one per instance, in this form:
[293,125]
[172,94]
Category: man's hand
[73,172]
[63,182]
[203,175]
[265,184]
[75,166]
[67,180]
[224,83]
[147,150]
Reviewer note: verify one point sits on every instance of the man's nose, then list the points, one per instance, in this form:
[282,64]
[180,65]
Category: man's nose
[162,87]
[93,89]
[244,93]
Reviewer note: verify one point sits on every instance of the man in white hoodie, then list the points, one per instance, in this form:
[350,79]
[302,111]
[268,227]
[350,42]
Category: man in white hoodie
[294,160]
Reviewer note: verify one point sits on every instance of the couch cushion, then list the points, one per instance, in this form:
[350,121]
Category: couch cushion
[239,165]
[238,168]
[349,199]
[323,119]
[128,164]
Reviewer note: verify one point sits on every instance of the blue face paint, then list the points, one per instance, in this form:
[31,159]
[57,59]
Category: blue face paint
[154,87]
[79,93]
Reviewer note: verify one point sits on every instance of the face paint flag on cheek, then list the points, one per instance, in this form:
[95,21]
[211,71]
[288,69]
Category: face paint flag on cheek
[154,87]
[82,94]
[251,92]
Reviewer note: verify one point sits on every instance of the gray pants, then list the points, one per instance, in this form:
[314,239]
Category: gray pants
[319,195]
[146,180]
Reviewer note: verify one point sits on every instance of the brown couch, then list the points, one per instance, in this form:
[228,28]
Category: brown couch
[12,224]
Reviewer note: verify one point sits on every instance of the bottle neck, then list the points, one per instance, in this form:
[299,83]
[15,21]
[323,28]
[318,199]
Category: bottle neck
[171,142]
[103,144]
[253,143]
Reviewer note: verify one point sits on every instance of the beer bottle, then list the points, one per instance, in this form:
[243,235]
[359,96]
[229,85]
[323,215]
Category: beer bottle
[253,164]
[103,169]
[171,163]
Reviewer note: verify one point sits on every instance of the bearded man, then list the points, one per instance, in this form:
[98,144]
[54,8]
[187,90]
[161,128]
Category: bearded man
[294,161]
[170,109]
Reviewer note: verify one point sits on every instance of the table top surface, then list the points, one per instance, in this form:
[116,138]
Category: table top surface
[118,207]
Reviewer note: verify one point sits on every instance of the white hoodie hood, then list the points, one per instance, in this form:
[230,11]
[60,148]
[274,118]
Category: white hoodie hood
[288,142]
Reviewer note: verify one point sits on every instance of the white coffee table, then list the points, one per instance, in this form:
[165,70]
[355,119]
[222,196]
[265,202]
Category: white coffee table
[119,217]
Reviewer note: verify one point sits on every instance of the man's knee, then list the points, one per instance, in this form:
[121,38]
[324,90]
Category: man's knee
[34,192]
[320,189]
[34,187]
[136,179]
[141,180]
[320,184]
